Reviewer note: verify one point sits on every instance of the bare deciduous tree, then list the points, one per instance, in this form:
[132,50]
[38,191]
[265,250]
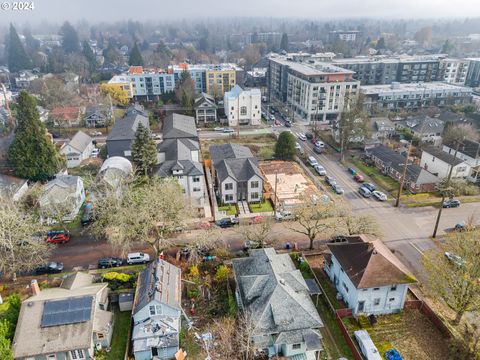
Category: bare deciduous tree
[363,224]
[456,279]
[20,247]
[260,234]
[204,242]
[148,211]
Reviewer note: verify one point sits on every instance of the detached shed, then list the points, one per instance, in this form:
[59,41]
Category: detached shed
[125,301]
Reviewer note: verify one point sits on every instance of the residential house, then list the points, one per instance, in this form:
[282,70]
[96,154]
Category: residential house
[157,312]
[120,138]
[97,115]
[424,127]
[12,187]
[370,279]
[205,109]
[276,300]
[439,163]
[43,113]
[66,116]
[383,127]
[24,79]
[115,170]
[62,196]
[78,149]
[237,175]
[468,151]
[243,107]
[66,322]
[391,163]
[179,156]
[453,118]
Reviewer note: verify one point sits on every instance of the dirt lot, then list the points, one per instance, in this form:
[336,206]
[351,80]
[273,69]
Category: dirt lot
[262,146]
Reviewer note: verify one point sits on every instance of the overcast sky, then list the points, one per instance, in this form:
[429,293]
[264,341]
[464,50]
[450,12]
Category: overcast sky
[112,10]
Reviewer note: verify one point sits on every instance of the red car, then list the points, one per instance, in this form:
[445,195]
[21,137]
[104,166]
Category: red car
[255,220]
[358,178]
[58,237]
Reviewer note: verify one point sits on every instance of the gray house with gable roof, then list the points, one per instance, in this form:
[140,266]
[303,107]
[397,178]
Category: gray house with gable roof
[156,312]
[78,149]
[238,177]
[276,299]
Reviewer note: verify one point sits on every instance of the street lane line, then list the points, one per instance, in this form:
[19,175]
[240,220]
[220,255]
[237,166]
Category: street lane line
[416,247]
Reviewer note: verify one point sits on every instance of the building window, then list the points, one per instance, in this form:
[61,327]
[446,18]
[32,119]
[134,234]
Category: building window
[100,336]
[152,310]
[54,357]
[375,289]
[255,196]
[391,299]
[345,287]
[196,189]
[243,110]
[229,186]
[229,197]
[75,355]
[376,301]
[393,288]
[296,346]
[232,108]
[196,179]
[254,184]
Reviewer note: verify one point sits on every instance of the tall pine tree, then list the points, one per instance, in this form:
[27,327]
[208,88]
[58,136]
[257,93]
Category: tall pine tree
[284,42]
[89,55]
[32,155]
[144,150]
[135,56]
[70,41]
[18,58]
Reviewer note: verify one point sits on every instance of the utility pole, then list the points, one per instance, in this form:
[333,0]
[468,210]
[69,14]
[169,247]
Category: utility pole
[275,195]
[437,222]
[402,180]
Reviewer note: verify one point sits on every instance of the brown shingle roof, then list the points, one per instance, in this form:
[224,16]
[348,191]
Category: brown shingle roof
[370,264]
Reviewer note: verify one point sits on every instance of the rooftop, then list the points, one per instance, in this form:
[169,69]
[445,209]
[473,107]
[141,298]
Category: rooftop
[310,67]
[80,141]
[413,87]
[442,155]
[177,126]
[125,128]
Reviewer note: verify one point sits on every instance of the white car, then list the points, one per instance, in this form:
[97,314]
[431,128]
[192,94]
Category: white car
[298,146]
[284,215]
[138,258]
[95,152]
[302,137]
[319,144]
[96,133]
[228,130]
[218,129]
[379,195]
[320,170]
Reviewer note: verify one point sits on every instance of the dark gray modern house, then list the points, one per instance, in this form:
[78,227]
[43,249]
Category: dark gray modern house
[120,138]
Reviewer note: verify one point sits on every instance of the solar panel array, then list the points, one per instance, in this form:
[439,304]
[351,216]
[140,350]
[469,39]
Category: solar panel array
[68,311]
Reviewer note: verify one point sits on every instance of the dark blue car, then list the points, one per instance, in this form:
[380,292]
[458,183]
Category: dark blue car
[393,354]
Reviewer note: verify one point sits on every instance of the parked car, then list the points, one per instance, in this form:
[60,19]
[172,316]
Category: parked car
[379,195]
[320,170]
[277,122]
[309,136]
[108,262]
[358,178]
[288,124]
[272,117]
[50,268]
[228,130]
[370,186]
[226,222]
[87,215]
[338,189]
[317,149]
[58,237]
[330,180]
[312,161]
[284,215]
[137,258]
[218,129]
[454,258]
[249,244]
[319,144]
[95,133]
[364,192]
[352,171]
[298,146]
[255,220]
[95,152]
[302,137]
[451,203]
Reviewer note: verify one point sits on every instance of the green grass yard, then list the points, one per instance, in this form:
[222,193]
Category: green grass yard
[264,206]
[229,209]
[385,182]
[120,335]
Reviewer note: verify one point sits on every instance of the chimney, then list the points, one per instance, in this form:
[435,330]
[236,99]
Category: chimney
[34,287]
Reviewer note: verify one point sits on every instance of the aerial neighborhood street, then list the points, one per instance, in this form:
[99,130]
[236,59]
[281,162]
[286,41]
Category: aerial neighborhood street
[182,183]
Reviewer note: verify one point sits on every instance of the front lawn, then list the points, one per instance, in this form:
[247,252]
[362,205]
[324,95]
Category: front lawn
[265,206]
[230,209]
[120,335]
[385,182]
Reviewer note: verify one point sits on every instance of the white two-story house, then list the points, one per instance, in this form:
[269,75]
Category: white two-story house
[468,151]
[78,149]
[370,279]
[243,107]
[237,175]
[439,163]
[179,156]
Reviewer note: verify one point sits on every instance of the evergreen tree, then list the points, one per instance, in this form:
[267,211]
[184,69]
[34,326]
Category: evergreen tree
[70,42]
[89,55]
[32,45]
[144,150]
[381,44]
[284,42]
[285,146]
[32,155]
[17,56]
[135,56]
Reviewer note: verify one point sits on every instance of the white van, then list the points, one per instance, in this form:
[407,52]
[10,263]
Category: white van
[366,345]
[138,258]
[312,161]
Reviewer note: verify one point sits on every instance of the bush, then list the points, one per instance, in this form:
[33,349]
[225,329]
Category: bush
[193,293]
[222,274]
[121,277]
[194,272]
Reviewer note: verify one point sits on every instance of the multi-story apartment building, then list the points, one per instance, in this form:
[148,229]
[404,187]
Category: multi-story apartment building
[413,96]
[343,35]
[316,91]
[243,107]
[271,38]
[454,71]
[473,74]
[214,79]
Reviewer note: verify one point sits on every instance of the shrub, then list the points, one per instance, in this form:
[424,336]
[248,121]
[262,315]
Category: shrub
[194,272]
[114,276]
[193,293]
[222,274]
